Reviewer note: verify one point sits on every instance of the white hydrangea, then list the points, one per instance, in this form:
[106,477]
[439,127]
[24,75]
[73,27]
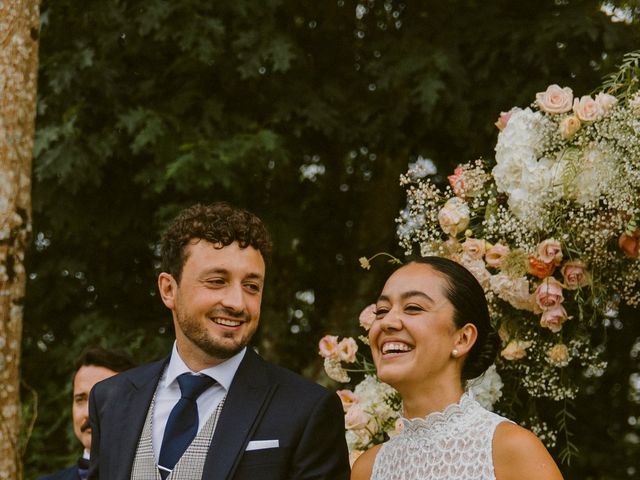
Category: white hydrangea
[487,388]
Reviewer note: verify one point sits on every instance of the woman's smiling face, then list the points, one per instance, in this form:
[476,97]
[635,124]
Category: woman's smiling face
[414,334]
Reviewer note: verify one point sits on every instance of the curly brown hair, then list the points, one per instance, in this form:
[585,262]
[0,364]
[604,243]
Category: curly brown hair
[218,223]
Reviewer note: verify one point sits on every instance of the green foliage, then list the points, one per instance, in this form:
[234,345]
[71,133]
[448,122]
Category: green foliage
[148,106]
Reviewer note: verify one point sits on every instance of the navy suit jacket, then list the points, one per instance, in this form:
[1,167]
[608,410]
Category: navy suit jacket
[70,473]
[264,402]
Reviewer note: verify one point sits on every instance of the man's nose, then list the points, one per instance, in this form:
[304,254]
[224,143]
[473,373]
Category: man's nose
[234,298]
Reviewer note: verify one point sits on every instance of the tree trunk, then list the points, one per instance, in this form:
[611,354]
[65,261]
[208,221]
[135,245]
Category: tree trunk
[19,29]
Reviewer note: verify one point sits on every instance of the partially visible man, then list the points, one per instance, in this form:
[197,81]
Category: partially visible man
[93,365]
[214,409]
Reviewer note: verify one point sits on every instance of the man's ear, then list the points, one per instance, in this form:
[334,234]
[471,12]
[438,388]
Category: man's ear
[168,287]
[465,338]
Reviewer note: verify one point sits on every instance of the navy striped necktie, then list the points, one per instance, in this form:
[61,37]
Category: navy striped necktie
[182,424]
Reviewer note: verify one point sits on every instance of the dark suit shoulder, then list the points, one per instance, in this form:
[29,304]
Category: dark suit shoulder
[137,376]
[287,378]
[70,473]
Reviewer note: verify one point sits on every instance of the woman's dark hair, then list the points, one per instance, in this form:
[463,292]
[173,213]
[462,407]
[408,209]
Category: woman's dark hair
[470,306]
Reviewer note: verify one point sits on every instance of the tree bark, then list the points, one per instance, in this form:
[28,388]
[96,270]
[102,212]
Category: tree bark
[19,30]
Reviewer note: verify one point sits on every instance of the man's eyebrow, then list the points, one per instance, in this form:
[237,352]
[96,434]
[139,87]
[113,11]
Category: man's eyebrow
[224,271]
[254,276]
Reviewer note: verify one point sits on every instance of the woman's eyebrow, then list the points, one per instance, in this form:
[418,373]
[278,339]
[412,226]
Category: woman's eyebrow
[409,294]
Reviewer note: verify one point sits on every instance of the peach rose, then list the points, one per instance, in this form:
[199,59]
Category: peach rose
[539,268]
[457,182]
[347,349]
[554,318]
[555,99]
[606,102]
[348,398]
[515,350]
[569,126]
[454,216]
[356,418]
[550,251]
[558,355]
[548,294]
[475,248]
[504,118]
[586,109]
[630,244]
[495,255]
[367,316]
[329,346]
[575,274]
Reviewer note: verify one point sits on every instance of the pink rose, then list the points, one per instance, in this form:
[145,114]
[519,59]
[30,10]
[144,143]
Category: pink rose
[586,109]
[539,268]
[569,126]
[504,118]
[554,318]
[329,346]
[356,418]
[454,216]
[515,350]
[367,316]
[555,99]
[630,244]
[348,398]
[495,255]
[606,102]
[575,274]
[347,349]
[457,182]
[550,251]
[548,294]
[474,248]
[558,355]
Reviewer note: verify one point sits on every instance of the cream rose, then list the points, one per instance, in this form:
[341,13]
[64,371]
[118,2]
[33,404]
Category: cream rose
[475,248]
[569,126]
[495,254]
[347,349]
[555,99]
[553,318]
[550,251]
[575,274]
[548,294]
[329,346]
[586,109]
[515,350]
[558,355]
[606,102]
[454,216]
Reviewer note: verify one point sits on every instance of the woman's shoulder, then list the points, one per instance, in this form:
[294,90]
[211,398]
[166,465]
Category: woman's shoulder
[519,454]
[363,466]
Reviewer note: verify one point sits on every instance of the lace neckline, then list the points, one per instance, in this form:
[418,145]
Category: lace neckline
[449,415]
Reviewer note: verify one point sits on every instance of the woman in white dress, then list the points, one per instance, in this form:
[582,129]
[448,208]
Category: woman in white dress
[432,333]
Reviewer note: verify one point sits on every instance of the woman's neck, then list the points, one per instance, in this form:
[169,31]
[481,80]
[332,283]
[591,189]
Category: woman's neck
[420,401]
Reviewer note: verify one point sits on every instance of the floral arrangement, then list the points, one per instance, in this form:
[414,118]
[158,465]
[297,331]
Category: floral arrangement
[551,232]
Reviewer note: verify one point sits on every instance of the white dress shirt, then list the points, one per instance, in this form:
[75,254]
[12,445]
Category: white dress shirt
[168,392]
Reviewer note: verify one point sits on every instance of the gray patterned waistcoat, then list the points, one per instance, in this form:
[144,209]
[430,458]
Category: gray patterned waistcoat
[191,463]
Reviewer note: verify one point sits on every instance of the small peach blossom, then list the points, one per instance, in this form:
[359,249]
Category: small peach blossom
[348,398]
[539,268]
[347,349]
[475,248]
[504,118]
[329,346]
[555,99]
[495,255]
[553,318]
[548,294]
[630,244]
[367,316]
[515,350]
[558,355]
[457,182]
[569,126]
[586,109]
[575,274]
[550,250]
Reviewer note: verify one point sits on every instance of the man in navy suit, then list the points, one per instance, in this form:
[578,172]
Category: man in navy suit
[93,365]
[252,419]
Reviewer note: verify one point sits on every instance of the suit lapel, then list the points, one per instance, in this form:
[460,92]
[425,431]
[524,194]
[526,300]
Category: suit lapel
[134,406]
[244,406]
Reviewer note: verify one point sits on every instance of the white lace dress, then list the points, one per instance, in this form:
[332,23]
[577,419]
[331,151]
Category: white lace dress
[455,444]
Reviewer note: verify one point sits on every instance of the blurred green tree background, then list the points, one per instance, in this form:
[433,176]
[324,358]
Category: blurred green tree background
[305,112]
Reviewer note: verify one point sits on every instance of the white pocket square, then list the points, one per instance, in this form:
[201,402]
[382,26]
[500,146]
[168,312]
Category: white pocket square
[262,444]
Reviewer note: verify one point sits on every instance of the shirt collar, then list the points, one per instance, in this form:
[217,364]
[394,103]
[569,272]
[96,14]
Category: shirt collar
[223,373]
